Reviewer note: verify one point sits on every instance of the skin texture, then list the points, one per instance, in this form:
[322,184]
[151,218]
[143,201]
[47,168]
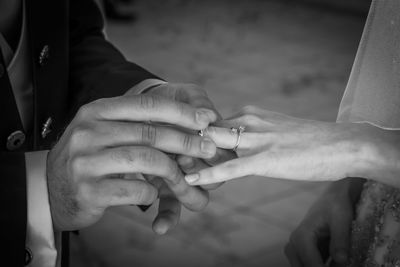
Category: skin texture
[196,97]
[94,164]
[324,233]
[280,146]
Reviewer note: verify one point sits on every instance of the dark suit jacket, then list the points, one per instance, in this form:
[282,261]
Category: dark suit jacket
[77,66]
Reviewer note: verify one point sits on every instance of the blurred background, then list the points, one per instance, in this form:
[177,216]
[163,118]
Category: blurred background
[291,56]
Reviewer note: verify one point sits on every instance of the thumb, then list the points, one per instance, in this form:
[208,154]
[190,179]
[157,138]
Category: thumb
[340,238]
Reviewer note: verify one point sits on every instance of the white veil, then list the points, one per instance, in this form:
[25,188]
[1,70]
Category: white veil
[373,95]
[373,90]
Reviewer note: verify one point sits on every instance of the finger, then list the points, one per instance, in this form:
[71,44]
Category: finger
[213,186]
[291,255]
[128,159]
[193,198]
[340,238]
[221,156]
[150,108]
[116,192]
[193,95]
[169,210]
[146,160]
[168,139]
[223,172]
[226,138]
[191,165]
[187,93]
[306,247]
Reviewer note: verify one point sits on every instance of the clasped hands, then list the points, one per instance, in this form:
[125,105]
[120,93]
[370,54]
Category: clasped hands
[112,142]
[97,161]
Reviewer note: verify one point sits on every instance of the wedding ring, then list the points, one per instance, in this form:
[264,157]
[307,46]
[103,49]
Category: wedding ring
[239,131]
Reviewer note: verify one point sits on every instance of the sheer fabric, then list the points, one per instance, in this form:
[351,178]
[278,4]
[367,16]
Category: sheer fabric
[373,95]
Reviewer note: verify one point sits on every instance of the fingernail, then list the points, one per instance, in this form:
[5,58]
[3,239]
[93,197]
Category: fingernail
[207,146]
[191,178]
[340,256]
[161,228]
[205,116]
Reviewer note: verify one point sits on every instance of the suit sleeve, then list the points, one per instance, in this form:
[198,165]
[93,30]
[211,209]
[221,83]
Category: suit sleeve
[97,68]
[14,209]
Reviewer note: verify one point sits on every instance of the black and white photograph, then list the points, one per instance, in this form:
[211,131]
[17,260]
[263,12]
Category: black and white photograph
[200,133]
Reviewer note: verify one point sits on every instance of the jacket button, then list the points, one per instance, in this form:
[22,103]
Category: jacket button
[44,55]
[28,256]
[15,140]
[2,70]
[46,129]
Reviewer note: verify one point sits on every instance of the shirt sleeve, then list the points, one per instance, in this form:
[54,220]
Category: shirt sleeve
[40,238]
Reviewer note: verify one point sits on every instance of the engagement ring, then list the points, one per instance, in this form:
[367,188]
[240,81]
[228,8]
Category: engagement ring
[239,131]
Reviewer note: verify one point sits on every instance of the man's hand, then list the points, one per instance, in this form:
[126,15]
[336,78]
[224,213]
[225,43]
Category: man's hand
[111,139]
[325,231]
[196,97]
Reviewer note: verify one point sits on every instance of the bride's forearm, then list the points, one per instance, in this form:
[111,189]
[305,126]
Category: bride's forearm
[378,155]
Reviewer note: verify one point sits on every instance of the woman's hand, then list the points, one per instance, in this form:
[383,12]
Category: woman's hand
[280,146]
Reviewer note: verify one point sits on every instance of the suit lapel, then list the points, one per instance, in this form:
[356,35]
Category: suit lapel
[9,115]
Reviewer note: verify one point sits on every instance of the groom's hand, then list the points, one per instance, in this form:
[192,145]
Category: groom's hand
[196,97]
[109,138]
[170,206]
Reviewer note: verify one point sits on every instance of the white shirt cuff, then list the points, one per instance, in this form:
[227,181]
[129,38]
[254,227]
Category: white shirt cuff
[145,85]
[40,235]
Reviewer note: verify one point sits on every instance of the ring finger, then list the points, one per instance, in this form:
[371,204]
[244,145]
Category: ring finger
[165,138]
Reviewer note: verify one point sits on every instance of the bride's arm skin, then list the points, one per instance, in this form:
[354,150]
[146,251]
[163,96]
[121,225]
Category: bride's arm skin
[280,146]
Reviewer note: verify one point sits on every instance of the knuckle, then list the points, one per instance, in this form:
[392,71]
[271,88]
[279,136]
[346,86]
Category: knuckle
[210,131]
[187,143]
[149,156]
[148,134]
[123,155]
[77,164]
[85,111]
[79,135]
[174,173]
[250,119]
[148,102]
[146,194]
[182,111]
[85,194]
[184,191]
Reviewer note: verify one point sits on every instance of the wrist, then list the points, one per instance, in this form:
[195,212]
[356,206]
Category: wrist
[377,153]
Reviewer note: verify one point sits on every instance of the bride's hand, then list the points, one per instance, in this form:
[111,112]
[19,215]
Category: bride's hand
[280,146]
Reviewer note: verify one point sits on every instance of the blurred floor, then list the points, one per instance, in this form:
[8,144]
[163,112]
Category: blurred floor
[273,54]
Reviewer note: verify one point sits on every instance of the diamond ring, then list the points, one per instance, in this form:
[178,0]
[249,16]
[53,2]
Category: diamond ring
[239,131]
